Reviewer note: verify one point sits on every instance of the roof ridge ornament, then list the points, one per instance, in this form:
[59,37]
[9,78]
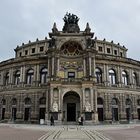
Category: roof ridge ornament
[54,29]
[87,29]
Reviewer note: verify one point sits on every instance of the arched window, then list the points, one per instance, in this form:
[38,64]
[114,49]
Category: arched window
[3,102]
[128,102]
[135,79]
[14,101]
[71,48]
[99,101]
[115,115]
[98,74]
[43,75]
[138,102]
[7,78]
[124,78]
[27,101]
[30,75]
[42,101]
[17,78]
[114,101]
[112,77]
[100,109]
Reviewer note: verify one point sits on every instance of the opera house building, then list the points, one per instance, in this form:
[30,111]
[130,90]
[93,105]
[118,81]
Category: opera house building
[70,74]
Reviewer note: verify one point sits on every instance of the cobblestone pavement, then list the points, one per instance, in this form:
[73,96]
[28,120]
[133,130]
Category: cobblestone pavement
[69,132]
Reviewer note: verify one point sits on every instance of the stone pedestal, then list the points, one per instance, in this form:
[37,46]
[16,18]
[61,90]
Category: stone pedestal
[47,120]
[135,115]
[7,115]
[34,115]
[95,117]
[19,115]
[108,116]
[122,116]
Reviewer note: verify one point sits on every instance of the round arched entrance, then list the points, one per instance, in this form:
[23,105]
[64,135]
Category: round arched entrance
[71,106]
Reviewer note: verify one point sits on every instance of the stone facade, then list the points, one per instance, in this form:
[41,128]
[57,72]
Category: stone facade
[69,75]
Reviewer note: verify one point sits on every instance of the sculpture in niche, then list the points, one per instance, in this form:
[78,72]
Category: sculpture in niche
[55,107]
[87,107]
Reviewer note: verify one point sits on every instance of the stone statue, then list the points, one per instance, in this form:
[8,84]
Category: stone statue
[71,23]
[55,107]
[87,29]
[70,18]
[54,29]
[87,107]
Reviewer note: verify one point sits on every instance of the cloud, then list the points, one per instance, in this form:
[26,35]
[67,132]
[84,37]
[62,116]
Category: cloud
[30,19]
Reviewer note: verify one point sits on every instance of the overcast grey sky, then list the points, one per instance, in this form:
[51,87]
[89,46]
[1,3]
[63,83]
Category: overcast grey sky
[24,20]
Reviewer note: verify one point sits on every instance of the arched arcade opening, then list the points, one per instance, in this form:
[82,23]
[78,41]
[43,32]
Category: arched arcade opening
[71,106]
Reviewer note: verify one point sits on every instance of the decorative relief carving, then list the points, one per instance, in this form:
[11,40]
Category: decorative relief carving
[71,64]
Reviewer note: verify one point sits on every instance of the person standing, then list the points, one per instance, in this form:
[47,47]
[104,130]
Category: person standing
[52,120]
[82,119]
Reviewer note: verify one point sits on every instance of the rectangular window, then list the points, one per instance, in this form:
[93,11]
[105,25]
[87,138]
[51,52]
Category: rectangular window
[100,49]
[26,52]
[115,52]
[108,50]
[20,54]
[41,49]
[33,50]
[71,74]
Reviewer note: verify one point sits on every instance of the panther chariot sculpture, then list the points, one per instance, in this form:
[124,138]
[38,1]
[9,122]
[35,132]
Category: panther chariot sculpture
[71,23]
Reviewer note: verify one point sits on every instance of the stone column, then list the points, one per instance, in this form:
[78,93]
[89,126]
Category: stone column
[52,65]
[104,74]
[95,106]
[11,76]
[47,107]
[92,98]
[49,73]
[23,75]
[83,101]
[130,78]
[2,78]
[94,67]
[123,109]
[37,74]
[107,76]
[84,66]
[108,114]
[90,66]
[121,84]
[58,61]
[119,76]
[139,78]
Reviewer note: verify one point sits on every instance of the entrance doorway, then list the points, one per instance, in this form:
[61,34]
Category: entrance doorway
[138,114]
[27,114]
[128,114]
[3,114]
[71,112]
[100,109]
[71,107]
[100,115]
[42,113]
[115,114]
[14,112]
